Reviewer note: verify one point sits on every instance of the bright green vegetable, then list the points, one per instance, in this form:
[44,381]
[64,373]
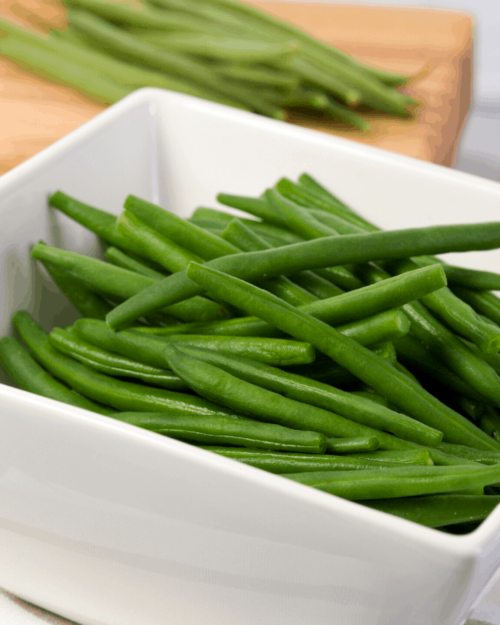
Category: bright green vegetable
[439,510]
[397,388]
[322,252]
[351,445]
[391,483]
[224,430]
[276,462]
[120,259]
[120,283]
[69,343]
[99,387]
[29,376]
[314,393]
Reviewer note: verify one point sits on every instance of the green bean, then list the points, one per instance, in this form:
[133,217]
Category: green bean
[490,423]
[149,349]
[392,483]
[438,510]
[371,396]
[262,76]
[311,255]
[154,246]
[262,228]
[129,47]
[240,50]
[488,304]
[29,376]
[87,303]
[398,389]
[222,430]
[414,456]
[120,283]
[309,197]
[276,462]
[414,355]
[94,219]
[99,387]
[484,457]
[69,343]
[34,56]
[456,314]
[351,445]
[472,278]
[322,396]
[244,238]
[381,328]
[259,403]
[120,259]
[178,230]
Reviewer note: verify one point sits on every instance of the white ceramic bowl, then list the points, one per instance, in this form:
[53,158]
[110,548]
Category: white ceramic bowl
[110,525]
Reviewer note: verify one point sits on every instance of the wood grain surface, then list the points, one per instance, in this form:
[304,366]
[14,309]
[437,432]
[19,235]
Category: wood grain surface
[434,47]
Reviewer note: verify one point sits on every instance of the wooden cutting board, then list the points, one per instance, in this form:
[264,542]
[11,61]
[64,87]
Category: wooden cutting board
[434,47]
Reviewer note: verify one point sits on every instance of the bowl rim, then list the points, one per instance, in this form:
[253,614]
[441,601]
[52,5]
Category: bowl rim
[464,547]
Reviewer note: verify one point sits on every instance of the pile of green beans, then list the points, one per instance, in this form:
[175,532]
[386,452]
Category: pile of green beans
[227,52]
[302,341]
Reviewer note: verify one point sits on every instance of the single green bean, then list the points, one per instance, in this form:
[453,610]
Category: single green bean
[351,445]
[120,259]
[488,304]
[243,237]
[398,389]
[414,456]
[484,457]
[322,252]
[99,387]
[222,430]
[69,343]
[300,389]
[87,303]
[392,483]
[276,462]
[29,376]
[439,510]
[120,283]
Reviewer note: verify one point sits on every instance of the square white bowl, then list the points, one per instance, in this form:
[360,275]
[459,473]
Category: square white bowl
[110,525]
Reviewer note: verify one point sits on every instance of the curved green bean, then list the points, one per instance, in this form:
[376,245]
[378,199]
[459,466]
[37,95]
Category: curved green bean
[222,430]
[69,343]
[29,376]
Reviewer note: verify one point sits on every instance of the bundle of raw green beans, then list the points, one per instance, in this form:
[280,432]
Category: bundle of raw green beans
[300,340]
[221,50]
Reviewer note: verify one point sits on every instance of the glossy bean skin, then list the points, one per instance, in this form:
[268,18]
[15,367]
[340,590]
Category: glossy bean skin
[179,230]
[276,462]
[101,388]
[456,314]
[29,376]
[120,259]
[67,342]
[86,302]
[416,456]
[122,284]
[368,417]
[238,395]
[439,510]
[311,255]
[149,349]
[400,390]
[391,483]
[351,445]
[484,457]
[227,430]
